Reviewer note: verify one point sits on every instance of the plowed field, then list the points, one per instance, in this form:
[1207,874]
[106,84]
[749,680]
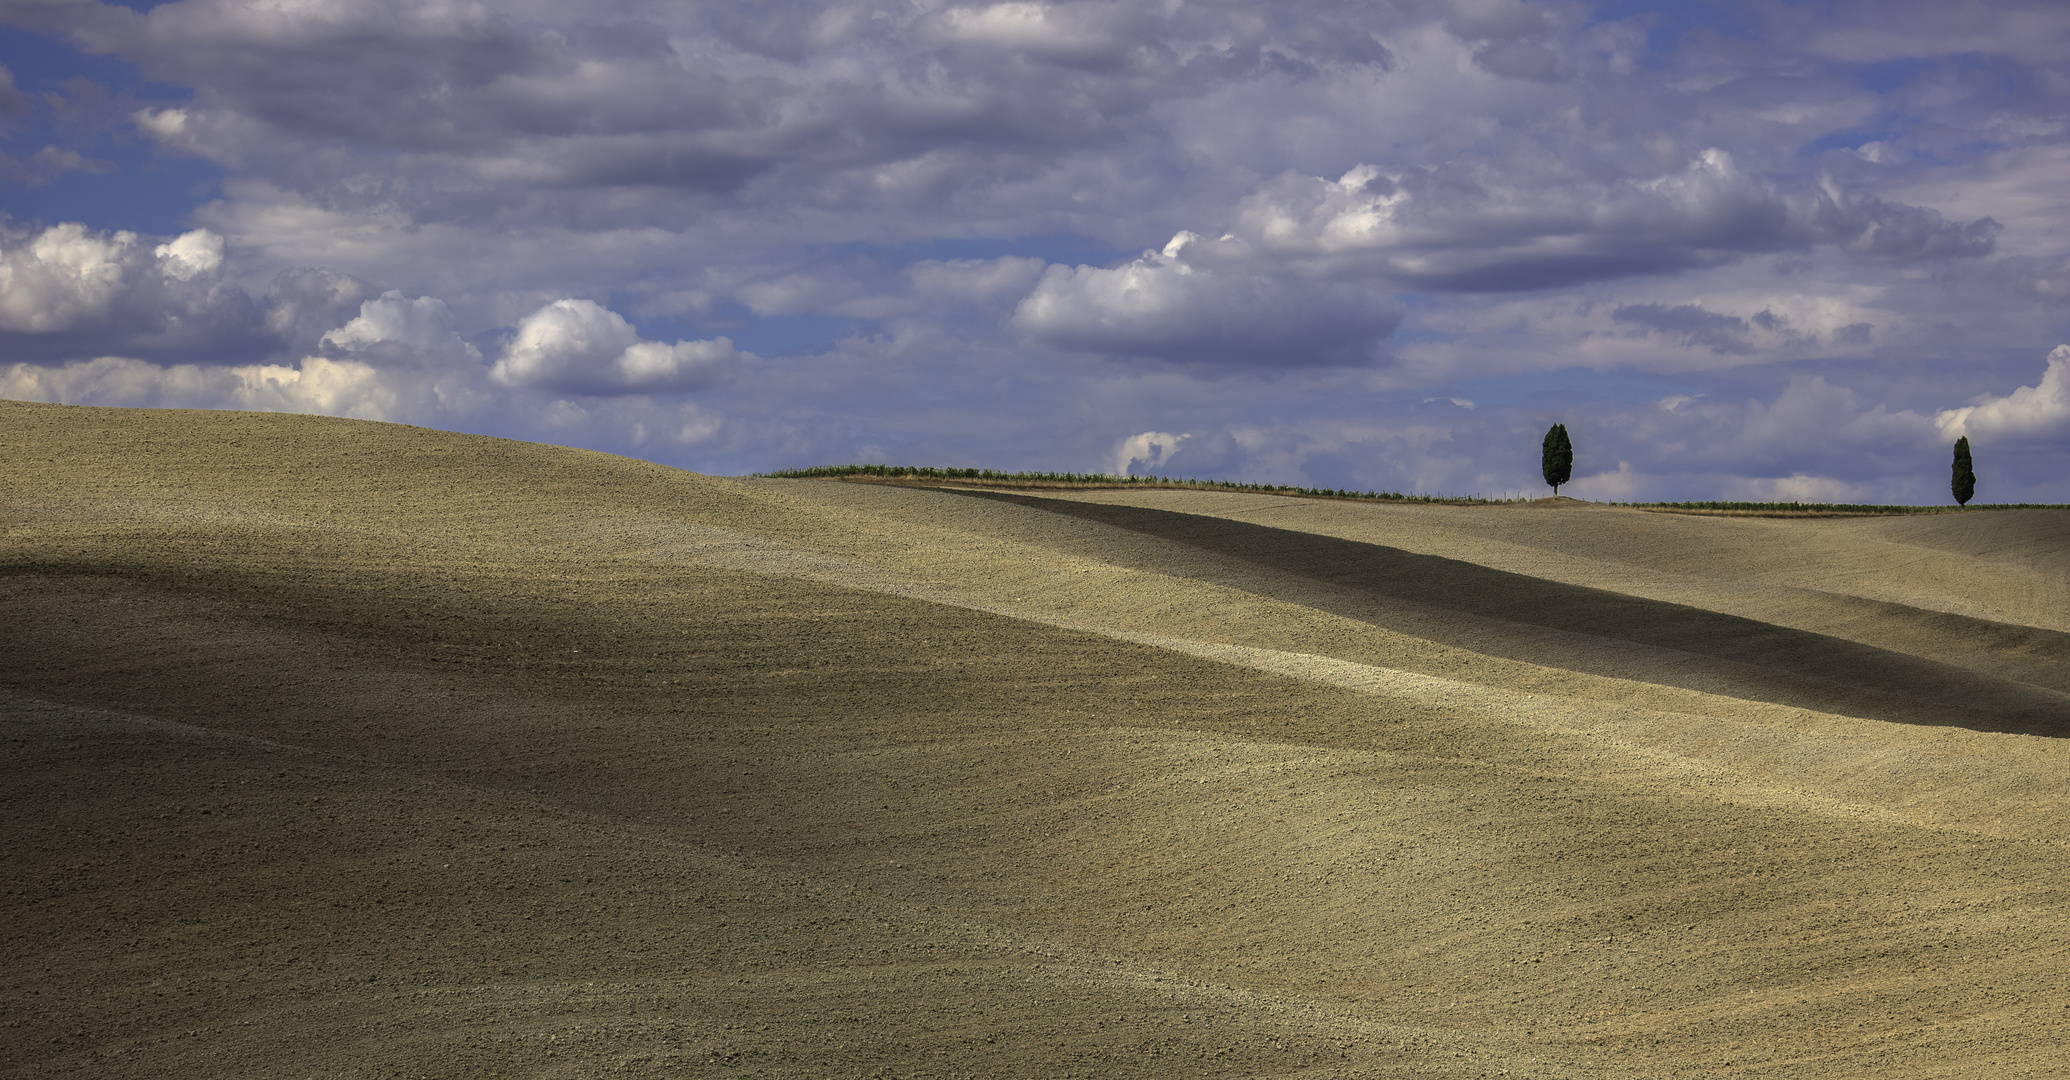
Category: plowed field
[346,749]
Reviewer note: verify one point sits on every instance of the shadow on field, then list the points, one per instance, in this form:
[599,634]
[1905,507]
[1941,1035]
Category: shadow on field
[1677,645]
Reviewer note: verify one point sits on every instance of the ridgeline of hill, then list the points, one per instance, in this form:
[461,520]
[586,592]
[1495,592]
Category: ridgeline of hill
[931,476]
[351,749]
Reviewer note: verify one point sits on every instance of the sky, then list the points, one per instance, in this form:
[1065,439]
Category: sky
[1755,251]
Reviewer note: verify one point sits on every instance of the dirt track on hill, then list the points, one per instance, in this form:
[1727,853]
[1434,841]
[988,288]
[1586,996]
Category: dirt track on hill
[351,749]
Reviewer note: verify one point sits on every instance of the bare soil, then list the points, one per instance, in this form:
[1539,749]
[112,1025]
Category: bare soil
[349,749]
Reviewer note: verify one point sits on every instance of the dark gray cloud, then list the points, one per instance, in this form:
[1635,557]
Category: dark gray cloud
[1693,325]
[306,302]
[1471,226]
[1821,224]
[2035,32]
[12,101]
[1206,312]
[45,166]
[1874,228]
[696,101]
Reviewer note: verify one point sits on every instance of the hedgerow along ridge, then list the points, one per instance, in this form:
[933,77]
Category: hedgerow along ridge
[1103,480]
[1108,480]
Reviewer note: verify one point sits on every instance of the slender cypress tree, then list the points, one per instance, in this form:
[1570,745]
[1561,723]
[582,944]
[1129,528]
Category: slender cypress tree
[1964,484]
[1557,460]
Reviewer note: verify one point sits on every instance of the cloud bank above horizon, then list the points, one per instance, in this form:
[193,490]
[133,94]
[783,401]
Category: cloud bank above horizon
[1743,250]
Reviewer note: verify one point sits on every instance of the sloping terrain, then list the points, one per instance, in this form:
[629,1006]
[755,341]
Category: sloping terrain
[349,749]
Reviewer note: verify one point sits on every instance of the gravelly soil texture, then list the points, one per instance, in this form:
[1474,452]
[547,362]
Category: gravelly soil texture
[345,749]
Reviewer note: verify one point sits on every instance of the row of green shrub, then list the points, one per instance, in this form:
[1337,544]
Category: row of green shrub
[924,472]
[1833,508]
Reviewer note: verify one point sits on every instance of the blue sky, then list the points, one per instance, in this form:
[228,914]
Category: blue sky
[1756,250]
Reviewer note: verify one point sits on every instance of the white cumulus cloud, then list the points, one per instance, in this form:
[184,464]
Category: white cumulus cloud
[316,385]
[68,292]
[61,277]
[2041,409]
[190,254]
[932,204]
[1151,450]
[399,330]
[580,346]
[1797,487]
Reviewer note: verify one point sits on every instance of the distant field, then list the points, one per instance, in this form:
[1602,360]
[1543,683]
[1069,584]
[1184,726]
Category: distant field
[1095,481]
[347,749]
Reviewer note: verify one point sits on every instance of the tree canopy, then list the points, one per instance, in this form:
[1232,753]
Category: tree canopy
[1557,460]
[1964,482]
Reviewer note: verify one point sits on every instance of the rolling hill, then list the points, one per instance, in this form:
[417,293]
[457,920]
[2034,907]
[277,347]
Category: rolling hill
[352,749]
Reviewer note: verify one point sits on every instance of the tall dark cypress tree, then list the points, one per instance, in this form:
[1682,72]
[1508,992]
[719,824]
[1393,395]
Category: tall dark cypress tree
[1557,460]
[1964,483]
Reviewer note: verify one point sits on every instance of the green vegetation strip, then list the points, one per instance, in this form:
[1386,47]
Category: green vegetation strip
[995,478]
[1804,509]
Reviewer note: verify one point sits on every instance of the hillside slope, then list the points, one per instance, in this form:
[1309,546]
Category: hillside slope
[362,750]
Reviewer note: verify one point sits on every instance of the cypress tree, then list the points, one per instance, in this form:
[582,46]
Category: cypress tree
[1964,483]
[1557,460]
